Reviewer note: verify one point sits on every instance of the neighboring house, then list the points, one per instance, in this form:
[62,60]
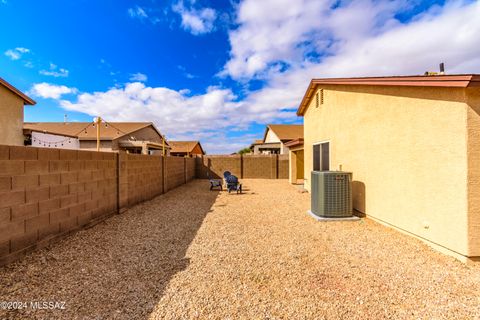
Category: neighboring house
[186,148]
[12,102]
[45,139]
[133,137]
[252,146]
[413,146]
[275,137]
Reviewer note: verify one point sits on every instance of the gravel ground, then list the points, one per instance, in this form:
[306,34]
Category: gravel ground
[193,254]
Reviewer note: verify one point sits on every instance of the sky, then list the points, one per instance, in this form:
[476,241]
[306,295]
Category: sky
[218,71]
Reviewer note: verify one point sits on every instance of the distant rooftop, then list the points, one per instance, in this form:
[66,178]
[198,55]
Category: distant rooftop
[86,131]
[286,131]
[183,146]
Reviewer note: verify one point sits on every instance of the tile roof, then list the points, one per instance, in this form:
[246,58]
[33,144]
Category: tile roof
[183,146]
[86,130]
[26,100]
[285,131]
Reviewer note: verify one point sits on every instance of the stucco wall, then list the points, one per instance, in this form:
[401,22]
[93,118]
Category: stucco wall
[407,150]
[91,145]
[473,187]
[271,137]
[11,118]
[46,140]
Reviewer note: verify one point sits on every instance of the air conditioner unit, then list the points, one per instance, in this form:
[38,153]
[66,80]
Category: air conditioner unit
[331,194]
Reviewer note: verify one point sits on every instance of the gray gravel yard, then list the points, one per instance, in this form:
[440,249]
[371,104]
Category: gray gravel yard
[192,253]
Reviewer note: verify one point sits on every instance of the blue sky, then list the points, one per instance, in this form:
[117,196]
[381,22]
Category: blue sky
[218,71]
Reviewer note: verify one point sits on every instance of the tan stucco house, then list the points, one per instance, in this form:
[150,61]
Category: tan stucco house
[12,102]
[186,148]
[275,138]
[413,146]
[133,137]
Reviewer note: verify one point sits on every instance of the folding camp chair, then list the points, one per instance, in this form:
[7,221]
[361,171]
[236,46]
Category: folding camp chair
[214,183]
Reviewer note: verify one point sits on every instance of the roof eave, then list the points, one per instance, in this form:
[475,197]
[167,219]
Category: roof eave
[26,100]
[451,81]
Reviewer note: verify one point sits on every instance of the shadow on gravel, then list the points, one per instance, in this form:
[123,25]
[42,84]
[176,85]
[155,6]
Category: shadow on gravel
[118,269]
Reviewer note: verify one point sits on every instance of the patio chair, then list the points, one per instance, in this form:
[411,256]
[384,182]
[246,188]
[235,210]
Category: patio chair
[215,183]
[232,183]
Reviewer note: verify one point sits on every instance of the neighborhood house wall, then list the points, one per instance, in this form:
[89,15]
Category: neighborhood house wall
[11,118]
[473,187]
[407,149]
[40,139]
[105,145]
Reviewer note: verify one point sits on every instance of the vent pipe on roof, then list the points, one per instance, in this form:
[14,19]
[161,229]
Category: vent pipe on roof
[442,68]
[65,117]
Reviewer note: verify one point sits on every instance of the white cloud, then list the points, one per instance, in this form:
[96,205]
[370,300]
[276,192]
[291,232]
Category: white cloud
[138,77]
[12,54]
[265,41]
[196,21]
[54,71]
[179,114]
[380,45]
[22,50]
[137,13]
[354,38]
[187,75]
[172,110]
[46,90]
[15,54]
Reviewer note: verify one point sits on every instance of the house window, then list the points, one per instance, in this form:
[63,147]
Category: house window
[321,156]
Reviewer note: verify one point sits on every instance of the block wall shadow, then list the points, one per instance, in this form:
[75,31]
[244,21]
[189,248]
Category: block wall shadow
[116,269]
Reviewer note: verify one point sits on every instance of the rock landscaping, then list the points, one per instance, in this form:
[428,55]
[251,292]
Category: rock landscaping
[199,254]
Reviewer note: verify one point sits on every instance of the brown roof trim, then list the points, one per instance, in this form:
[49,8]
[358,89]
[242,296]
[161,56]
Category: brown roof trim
[294,143]
[451,81]
[27,100]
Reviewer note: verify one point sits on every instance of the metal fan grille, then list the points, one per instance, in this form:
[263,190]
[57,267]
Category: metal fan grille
[331,194]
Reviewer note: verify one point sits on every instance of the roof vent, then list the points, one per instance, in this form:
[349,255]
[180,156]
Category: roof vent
[442,68]
[433,73]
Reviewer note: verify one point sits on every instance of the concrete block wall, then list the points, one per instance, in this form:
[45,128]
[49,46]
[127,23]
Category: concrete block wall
[46,193]
[140,178]
[174,172]
[283,166]
[216,165]
[260,167]
[189,169]
[246,167]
